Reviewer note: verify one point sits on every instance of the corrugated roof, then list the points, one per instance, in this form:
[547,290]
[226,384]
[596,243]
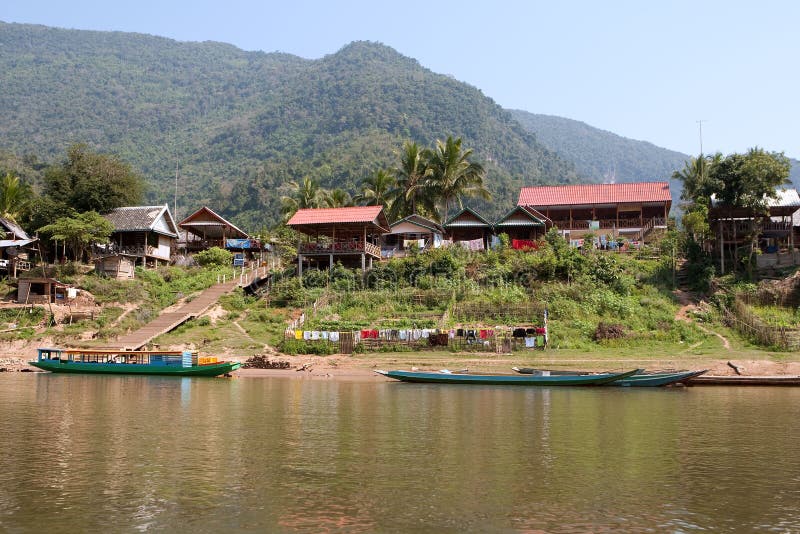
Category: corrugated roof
[467,218]
[786,198]
[357,214]
[14,229]
[587,194]
[217,221]
[420,221]
[141,219]
[519,216]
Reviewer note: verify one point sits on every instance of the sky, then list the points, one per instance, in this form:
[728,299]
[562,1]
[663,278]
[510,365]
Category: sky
[644,70]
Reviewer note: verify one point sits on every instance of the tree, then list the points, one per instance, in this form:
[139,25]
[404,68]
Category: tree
[748,182]
[409,177]
[302,195]
[452,176]
[338,198]
[14,197]
[376,189]
[80,231]
[698,184]
[87,181]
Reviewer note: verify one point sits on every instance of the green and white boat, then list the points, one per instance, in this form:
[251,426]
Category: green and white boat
[170,363]
[507,380]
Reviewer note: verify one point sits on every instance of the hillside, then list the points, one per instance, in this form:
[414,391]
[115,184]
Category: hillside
[600,155]
[240,124]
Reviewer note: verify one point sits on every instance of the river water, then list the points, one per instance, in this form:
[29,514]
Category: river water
[127,454]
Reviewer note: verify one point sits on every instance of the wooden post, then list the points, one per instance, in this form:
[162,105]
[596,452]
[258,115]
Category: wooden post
[363,262]
[300,266]
[331,261]
[721,249]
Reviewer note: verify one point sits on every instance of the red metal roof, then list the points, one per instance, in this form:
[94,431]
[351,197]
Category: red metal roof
[357,214]
[565,195]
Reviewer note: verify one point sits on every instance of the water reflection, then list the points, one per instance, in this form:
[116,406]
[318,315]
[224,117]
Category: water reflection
[142,453]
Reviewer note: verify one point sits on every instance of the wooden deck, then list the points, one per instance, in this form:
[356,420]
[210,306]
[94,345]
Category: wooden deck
[170,320]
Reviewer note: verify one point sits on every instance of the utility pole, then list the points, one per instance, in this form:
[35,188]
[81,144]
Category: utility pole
[175,204]
[700,123]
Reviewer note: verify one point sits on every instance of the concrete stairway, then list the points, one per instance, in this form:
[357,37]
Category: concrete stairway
[170,320]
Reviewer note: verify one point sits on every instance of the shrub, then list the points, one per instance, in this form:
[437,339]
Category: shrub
[609,331]
[214,256]
[315,278]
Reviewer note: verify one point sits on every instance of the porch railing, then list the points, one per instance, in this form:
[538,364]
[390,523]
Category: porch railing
[608,224]
[343,247]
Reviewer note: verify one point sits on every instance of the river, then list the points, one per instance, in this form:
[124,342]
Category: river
[129,454]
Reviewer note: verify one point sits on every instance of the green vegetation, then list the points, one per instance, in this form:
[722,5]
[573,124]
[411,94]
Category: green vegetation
[214,256]
[244,124]
[600,155]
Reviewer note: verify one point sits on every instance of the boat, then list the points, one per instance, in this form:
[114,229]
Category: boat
[141,362]
[745,380]
[507,380]
[637,380]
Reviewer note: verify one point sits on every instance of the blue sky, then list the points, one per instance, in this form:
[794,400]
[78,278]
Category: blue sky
[645,70]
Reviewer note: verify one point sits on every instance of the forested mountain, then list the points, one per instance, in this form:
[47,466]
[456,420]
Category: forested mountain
[241,124]
[599,155]
[794,176]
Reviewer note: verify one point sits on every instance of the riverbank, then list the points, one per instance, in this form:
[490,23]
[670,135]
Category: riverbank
[362,366]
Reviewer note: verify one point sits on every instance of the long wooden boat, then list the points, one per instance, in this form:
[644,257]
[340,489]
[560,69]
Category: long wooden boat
[507,380]
[636,380]
[779,380]
[172,363]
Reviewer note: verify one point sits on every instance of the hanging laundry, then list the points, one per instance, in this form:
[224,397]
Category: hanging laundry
[530,342]
[298,334]
[334,336]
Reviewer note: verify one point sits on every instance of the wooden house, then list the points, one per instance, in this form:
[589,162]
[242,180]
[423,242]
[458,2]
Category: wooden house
[523,225]
[776,240]
[205,228]
[43,291]
[339,234]
[15,247]
[147,233]
[413,230]
[630,210]
[467,226]
[120,266]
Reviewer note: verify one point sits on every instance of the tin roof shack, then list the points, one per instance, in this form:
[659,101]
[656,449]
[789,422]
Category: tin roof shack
[633,210]
[413,230]
[772,232]
[147,233]
[468,226]
[44,291]
[205,228]
[15,248]
[119,266]
[347,234]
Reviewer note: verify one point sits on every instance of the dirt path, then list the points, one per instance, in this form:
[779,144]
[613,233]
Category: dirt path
[688,305]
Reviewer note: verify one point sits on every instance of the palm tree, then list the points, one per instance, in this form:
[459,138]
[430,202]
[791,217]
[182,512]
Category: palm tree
[338,198]
[304,194]
[452,176]
[410,175]
[14,196]
[697,178]
[376,189]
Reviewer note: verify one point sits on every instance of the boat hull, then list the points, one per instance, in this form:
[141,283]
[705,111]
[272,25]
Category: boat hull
[56,366]
[636,380]
[746,381]
[507,380]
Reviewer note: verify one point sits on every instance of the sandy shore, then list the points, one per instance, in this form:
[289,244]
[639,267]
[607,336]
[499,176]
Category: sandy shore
[361,367]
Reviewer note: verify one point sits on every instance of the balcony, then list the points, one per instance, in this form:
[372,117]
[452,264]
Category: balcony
[608,224]
[340,247]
